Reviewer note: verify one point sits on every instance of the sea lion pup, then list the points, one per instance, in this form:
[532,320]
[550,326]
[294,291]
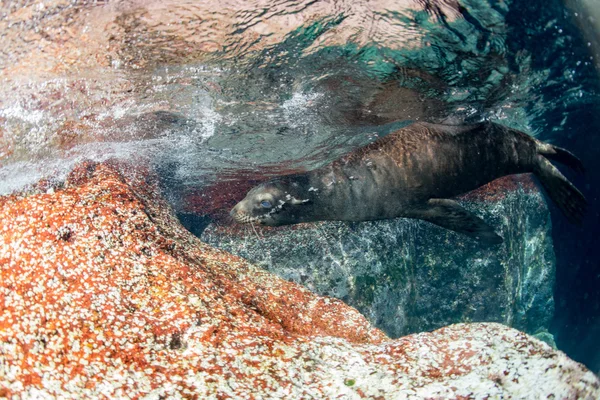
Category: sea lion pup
[413,173]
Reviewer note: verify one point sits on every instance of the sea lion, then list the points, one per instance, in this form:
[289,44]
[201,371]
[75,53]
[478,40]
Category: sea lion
[413,173]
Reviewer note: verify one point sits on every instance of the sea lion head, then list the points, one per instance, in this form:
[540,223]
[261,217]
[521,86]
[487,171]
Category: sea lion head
[274,203]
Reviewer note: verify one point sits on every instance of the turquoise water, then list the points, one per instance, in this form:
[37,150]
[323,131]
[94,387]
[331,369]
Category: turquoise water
[215,92]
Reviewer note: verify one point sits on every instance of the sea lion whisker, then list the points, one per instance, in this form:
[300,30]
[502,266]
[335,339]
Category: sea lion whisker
[260,244]
[254,229]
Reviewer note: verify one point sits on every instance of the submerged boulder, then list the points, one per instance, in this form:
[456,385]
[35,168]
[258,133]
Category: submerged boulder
[408,276]
[104,294]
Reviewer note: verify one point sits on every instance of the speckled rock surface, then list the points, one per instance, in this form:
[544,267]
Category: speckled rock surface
[409,276]
[104,294]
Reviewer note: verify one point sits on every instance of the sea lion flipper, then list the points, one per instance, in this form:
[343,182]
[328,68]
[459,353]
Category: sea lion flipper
[451,215]
[566,196]
[561,155]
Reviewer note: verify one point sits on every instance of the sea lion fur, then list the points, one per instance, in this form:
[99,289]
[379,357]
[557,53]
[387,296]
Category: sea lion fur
[413,173]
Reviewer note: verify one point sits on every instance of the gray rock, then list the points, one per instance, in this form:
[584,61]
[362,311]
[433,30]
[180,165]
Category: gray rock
[410,276]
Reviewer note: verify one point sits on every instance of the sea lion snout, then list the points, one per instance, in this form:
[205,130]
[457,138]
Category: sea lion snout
[234,212]
[240,214]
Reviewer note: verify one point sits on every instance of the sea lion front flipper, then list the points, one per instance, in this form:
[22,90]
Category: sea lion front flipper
[451,215]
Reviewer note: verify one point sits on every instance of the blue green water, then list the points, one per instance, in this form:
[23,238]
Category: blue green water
[206,93]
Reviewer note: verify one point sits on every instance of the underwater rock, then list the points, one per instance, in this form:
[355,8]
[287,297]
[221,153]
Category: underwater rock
[409,276]
[104,294]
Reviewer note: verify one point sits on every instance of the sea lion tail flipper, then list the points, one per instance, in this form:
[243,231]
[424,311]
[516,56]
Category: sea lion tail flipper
[562,156]
[562,192]
[451,215]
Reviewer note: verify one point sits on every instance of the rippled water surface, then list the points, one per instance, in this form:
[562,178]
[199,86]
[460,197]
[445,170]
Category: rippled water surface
[211,91]
[211,88]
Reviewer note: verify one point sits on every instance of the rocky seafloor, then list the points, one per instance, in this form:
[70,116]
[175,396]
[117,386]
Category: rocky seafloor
[409,276]
[103,294]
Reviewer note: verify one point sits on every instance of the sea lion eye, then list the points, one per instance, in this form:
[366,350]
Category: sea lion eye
[265,204]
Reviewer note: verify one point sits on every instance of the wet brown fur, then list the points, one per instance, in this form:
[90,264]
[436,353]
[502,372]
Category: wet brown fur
[414,172]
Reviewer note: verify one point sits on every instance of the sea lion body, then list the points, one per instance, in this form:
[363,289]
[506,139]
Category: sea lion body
[392,176]
[413,173]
